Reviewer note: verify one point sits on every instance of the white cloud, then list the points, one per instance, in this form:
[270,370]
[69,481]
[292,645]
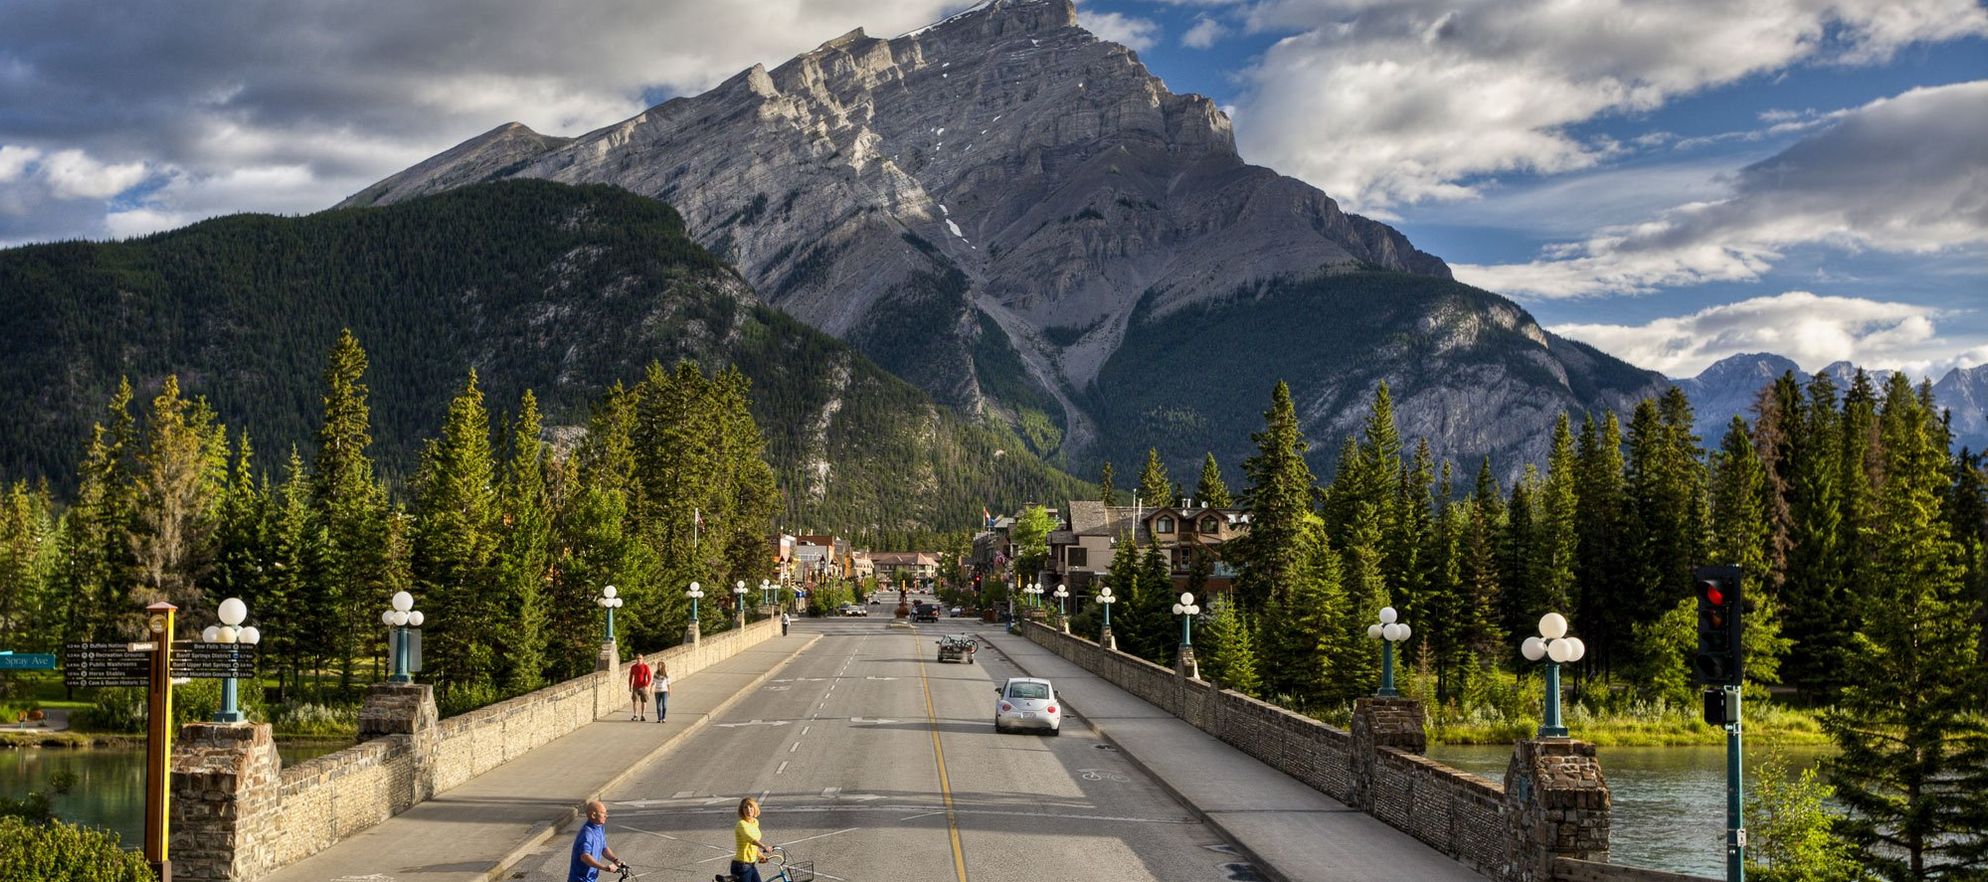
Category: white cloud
[72,174]
[1811,329]
[1140,34]
[1204,33]
[1907,174]
[14,161]
[347,91]
[1384,104]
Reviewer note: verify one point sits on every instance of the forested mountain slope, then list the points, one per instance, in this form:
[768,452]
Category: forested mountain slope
[562,290]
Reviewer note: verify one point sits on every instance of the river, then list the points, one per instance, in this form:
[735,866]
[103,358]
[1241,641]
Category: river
[1669,802]
[110,782]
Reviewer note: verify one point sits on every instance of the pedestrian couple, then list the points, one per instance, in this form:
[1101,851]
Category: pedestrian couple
[641,682]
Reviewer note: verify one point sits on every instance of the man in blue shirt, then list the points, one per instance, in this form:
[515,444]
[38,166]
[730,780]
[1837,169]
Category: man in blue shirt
[590,852]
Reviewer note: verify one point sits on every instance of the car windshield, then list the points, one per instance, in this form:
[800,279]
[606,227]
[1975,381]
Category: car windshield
[1028,690]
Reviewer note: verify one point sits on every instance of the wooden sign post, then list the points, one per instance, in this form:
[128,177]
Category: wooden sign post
[159,740]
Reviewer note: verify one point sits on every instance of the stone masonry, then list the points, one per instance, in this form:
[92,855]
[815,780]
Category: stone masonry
[237,814]
[1553,810]
[1558,806]
[224,791]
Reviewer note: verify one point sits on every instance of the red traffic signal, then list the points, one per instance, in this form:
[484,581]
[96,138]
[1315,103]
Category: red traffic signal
[1709,590]
[1719,660]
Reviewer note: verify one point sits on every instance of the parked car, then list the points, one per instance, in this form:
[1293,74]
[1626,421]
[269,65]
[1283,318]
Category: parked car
[925,612]
[1027,703]
[956,611]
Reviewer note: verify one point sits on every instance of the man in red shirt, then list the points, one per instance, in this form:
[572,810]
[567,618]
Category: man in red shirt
[638,689]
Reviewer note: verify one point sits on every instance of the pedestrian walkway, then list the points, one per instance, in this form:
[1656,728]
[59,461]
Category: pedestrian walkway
[1288,829]
[477,831]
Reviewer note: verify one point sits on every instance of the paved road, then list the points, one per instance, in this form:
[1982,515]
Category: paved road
[844,746]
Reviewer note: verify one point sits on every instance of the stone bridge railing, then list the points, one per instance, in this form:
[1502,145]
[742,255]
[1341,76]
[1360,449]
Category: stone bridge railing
[237,813]
[1548,819]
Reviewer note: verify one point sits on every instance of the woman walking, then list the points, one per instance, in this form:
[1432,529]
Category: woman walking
[662,682]
[752,851]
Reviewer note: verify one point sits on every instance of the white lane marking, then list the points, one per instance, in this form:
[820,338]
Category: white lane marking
[830,791]
[753,723]
[797,746]
[684,794]
[782,769]
[804,729]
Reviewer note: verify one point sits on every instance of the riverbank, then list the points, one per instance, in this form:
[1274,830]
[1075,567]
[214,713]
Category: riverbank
[1661,727]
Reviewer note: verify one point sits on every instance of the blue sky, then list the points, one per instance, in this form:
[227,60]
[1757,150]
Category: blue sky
[1673,180]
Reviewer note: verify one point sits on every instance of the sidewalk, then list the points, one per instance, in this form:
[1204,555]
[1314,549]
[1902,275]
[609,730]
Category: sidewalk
[477,831]
[1289,831]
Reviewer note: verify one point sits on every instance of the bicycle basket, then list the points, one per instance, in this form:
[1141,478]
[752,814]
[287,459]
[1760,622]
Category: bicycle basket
[801,871]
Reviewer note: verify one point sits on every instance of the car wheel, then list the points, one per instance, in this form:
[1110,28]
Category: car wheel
[1056,731]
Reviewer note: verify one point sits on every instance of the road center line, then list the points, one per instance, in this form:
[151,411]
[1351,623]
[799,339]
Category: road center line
[939,757]
[782,769]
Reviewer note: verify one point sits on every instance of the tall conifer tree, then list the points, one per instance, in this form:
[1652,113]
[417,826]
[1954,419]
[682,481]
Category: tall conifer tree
[1280,503]
[454,547]
[1211,491]
[1155,488]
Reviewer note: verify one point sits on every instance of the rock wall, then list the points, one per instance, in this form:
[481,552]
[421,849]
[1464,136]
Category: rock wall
[1552,811]
[238,814]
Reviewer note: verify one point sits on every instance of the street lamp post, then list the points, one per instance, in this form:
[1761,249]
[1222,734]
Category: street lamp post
[1060,594]
[696,591]
[1388,632]
[1187,610]
[739,600]
[231,631]
[1105,599]
[401,616]
[1035,596]
[1557,648]
[765,597]
[609,602]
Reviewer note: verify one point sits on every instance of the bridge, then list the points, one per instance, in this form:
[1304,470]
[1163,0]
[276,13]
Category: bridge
[877,762]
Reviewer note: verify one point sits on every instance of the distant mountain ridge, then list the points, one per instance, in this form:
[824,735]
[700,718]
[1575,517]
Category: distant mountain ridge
[1017,217]
[562,290]
[1731,386]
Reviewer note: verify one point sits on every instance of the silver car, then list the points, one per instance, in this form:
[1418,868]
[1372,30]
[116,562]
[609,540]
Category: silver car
[1027,703]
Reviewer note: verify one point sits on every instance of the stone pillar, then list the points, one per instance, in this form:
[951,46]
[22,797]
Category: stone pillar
[1557,803]
[1108,641]
[405,710]
[226,787]
[1185,664]
[691,635]
[1377,723]
[608,659]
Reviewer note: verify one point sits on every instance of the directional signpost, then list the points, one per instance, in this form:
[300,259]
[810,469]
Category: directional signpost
[87,665]
[27,661]
[198,660]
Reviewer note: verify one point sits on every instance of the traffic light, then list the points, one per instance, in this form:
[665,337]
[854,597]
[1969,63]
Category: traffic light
[1719,660]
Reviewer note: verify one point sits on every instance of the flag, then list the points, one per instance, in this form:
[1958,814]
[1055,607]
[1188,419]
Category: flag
[987,516]
[697,516]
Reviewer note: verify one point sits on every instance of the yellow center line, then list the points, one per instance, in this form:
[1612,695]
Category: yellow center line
[939,754]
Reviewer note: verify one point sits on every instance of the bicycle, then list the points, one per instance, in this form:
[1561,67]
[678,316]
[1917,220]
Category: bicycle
[790,870]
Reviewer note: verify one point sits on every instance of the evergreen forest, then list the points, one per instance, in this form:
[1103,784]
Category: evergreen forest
[1864,546]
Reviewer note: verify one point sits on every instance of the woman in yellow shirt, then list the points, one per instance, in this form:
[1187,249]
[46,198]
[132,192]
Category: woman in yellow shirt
[751,849]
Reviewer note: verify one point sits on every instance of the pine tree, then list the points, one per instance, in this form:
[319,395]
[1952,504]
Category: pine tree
[1478,614]
[1107,491]
[242,540]
[1557,538]
[523,553]
[1598,565]
[181,474]
[99,566]
[1518,602]
[454,546]
[1225,648]
[1158,628]
[300,548]
[1913,761]
[1355,659]
[1280,503]
[1211,491]
[1300,633]
[1155,489]
[1409,543]
[1742,535]
[350,506]
[593,543]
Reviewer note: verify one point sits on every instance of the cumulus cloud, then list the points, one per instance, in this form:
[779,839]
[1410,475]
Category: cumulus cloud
[212,93]
[1204,33]
[1140,34]
[1812,329]
[1385,104]
[1906,174]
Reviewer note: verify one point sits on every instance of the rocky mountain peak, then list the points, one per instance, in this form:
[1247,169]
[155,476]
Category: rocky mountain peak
[988,205]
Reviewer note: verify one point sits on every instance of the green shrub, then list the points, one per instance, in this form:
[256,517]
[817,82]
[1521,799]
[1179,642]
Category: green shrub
[58,852]
[115,710]
[305,718]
